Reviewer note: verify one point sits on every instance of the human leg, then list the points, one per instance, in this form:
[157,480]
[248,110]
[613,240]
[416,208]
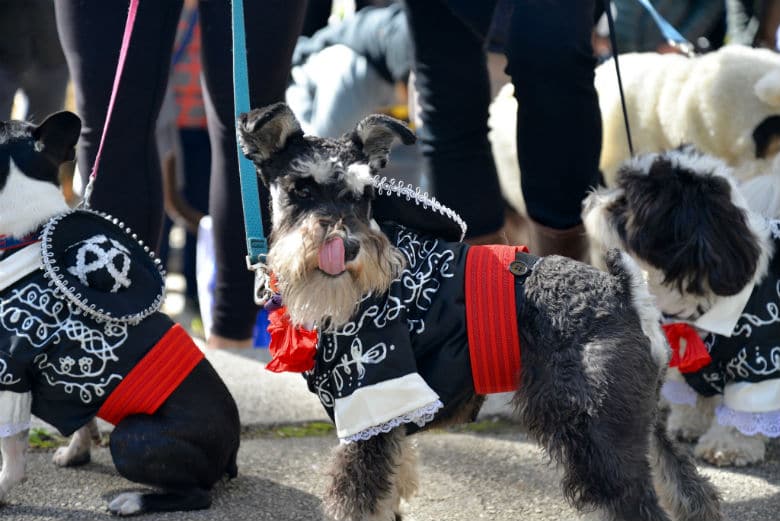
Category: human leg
[271,39]
[452,81]
[128,185]
[551,62]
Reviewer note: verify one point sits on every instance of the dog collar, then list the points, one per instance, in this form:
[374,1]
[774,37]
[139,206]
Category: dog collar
[12,243]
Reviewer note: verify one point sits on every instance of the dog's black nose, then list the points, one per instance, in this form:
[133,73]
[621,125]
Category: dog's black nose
[351,249]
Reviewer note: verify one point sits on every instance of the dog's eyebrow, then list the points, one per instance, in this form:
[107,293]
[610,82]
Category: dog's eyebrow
[357,177]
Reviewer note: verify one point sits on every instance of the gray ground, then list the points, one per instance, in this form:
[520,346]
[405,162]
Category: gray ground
[465,476]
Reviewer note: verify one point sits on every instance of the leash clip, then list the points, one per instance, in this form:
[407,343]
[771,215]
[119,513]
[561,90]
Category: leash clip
[263,291]
[686,48]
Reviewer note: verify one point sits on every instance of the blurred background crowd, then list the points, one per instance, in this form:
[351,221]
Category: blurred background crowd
[434,63]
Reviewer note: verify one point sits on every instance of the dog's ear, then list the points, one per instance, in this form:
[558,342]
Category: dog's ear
[375,135]
[264,132]
[685,223]
[57,136]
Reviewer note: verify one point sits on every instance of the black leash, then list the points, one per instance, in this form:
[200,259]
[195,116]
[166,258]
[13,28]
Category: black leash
[613,41]
[673,38]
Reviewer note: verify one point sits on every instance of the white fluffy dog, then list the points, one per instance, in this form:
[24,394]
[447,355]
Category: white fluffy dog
[725,103]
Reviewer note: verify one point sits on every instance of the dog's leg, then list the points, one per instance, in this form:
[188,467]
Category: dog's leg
[407,479]
[365,478]
[184,448]
[77,452]
[144,451]
[688,423]
[724,445]
[14,451]
[688,495]
[596,423]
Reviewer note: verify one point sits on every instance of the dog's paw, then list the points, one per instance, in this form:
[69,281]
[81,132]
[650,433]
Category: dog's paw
[126,504]
[684,424]
[726,446]
[68,457]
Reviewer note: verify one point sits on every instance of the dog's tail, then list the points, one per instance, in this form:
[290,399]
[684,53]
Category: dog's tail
[688,495]
[685,493]
[627,271]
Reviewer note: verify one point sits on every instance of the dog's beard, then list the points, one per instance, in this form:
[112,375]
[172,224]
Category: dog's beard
[312,297]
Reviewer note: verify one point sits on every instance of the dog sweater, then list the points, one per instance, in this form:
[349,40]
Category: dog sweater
[405,357]
[745,365]
[80,334]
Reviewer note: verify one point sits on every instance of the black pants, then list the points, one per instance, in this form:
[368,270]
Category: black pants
[551,62]
[129,182]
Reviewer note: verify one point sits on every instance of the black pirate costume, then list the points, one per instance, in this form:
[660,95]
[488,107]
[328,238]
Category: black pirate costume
[80,331]
[419,351]
[740,356]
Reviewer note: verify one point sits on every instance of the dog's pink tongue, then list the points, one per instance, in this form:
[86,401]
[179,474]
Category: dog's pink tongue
[332,256]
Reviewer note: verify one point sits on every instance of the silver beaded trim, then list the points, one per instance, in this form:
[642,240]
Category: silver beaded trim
[56,280]
[410,192]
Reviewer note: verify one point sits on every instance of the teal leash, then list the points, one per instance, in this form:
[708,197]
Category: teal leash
[256,242]
[672,35]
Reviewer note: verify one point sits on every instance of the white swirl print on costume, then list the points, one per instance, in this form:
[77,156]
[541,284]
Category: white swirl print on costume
[34,313]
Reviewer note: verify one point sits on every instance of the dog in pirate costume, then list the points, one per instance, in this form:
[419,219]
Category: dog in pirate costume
[81,335]
[713,266]
[399,326]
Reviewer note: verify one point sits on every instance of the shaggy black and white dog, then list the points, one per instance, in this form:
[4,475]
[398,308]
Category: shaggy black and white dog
[396,351]
[81,336]
[711,265]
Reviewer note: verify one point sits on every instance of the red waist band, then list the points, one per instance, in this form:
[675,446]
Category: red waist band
[154,378]
[491,318]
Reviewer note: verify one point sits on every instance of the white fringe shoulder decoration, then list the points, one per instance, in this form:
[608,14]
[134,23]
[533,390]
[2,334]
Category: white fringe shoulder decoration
[410,192]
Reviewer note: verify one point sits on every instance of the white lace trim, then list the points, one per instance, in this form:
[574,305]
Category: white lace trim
[13,428]
[419,416]
[679,393]
[410,192]
[750,423]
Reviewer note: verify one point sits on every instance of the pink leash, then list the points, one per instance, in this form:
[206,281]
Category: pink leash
[119,68]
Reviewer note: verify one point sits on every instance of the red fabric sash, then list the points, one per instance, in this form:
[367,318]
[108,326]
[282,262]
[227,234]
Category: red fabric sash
[694,355]
[154,378]
[491,318]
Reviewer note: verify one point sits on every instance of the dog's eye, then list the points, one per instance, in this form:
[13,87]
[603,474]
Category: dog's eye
[302,192]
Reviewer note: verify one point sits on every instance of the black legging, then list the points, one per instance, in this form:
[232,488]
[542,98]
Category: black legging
[129,183]
[551,63]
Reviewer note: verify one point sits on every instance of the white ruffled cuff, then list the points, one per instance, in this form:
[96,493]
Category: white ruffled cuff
[14,412]
[750,423]
[379,408]
[679,393]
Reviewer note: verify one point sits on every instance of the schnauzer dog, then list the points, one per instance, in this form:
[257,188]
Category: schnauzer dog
[712,266]
[80,336]
[413,327]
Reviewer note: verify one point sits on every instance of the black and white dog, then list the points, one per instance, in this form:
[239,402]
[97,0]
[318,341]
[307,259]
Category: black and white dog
[80,336]
[713,267]
[413,329]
